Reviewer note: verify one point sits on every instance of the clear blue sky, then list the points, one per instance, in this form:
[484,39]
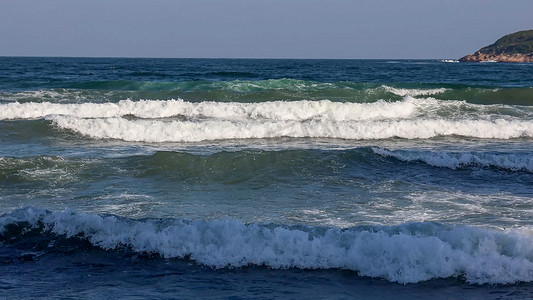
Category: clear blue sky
[257,29]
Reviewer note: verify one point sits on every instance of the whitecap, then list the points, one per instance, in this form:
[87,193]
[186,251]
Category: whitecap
[407,253]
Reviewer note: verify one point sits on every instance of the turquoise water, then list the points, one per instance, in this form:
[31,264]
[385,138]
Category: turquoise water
[184,178]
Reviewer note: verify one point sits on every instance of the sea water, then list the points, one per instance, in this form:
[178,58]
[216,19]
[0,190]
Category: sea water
[187,178]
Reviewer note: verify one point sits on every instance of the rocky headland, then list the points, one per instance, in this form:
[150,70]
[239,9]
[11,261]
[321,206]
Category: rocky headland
[515,47]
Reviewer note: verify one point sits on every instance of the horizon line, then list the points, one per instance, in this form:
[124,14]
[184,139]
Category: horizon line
[243,58]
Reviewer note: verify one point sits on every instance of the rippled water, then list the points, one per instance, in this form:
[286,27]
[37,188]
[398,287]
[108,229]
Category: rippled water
[265,178]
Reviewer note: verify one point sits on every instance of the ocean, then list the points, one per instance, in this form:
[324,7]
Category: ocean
[266,179]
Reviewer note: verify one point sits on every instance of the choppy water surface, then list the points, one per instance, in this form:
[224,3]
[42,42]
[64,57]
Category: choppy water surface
[265,178]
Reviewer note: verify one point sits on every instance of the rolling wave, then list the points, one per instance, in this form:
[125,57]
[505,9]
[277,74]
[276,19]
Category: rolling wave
[409,107]
[455,160]
[413,92]
[222,167]
[275,110]
[407,253]
[205,85]
[295,85]
[183,121]
[155,131]
[239,166]
[267,90]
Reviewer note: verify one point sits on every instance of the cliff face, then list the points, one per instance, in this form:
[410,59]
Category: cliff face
[501,57]
[515,47]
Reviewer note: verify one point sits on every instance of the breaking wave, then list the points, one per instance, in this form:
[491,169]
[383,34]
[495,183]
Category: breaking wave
[407,253]
[453,160]
[414,92]
[191,131]
[275,110]
[183,121]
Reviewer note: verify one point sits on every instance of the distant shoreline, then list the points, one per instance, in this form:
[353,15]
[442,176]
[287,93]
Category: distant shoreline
[512,48]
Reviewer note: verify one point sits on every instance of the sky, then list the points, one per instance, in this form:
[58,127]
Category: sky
[361,29]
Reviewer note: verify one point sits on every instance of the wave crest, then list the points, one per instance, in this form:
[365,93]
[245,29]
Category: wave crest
[182,121]
[274,110]
[513,162]
[406,253]
[191,131]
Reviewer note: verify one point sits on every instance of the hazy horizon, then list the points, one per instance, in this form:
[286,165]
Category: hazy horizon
[293,29]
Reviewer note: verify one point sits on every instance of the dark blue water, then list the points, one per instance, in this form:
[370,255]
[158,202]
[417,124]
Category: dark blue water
[29,73]
[188,178]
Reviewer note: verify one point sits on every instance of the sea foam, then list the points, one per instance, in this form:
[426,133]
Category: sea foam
[274,110]
[182,121]
[193,131]
[413,92]
[407,253]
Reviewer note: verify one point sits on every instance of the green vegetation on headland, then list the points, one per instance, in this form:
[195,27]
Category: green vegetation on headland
[515,47]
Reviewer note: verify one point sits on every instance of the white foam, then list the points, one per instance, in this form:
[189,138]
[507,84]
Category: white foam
[413,92]
[54,95]
[193,131]
[514,162]
[407,253]
[155,121]
[275,110]
[408,108]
